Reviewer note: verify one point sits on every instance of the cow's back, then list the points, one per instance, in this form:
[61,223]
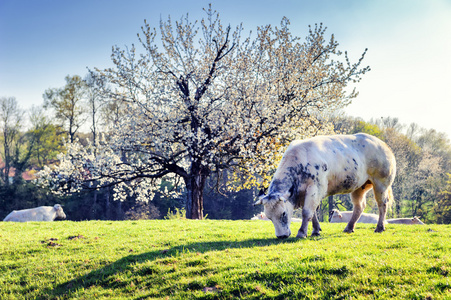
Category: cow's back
[10,216]
[340,216]
[345,217]
[343,162]
[37,214]
[406,221]
[368,218]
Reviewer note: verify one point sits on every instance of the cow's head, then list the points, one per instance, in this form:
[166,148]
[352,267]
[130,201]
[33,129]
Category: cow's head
[416,220]
[59,212]
[279,210]
[335,216]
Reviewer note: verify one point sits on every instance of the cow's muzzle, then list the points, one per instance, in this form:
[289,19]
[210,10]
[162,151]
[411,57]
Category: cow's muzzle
[282,236]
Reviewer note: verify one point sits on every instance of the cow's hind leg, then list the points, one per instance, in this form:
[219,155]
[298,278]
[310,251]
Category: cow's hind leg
[316,226]
[358,198]
[383,197]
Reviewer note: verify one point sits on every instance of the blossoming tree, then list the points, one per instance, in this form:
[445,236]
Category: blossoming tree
[202,99]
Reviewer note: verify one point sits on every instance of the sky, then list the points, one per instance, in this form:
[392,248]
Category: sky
[408,41]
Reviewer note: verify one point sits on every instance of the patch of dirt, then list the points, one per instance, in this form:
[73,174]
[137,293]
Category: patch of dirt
[211,289]
[75,237]
[52,244]
[50,239]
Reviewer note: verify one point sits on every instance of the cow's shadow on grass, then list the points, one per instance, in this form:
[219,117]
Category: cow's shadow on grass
[105,276]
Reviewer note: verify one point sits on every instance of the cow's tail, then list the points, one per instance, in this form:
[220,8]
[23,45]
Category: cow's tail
[391,199]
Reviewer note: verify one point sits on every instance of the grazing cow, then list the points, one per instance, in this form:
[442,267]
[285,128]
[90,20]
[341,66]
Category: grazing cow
[313,169]
[41,213]
[337,216]
[406,221]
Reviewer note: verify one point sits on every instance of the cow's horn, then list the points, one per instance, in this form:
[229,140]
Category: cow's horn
[258,202]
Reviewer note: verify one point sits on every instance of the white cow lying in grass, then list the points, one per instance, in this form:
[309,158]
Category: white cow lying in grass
[313,169]
[345,216]
[260,216]
[406,221]
[41,213]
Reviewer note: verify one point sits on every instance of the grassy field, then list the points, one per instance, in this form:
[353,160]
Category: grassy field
[183,259]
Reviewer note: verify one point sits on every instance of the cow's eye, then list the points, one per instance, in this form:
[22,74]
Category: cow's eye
[284,218]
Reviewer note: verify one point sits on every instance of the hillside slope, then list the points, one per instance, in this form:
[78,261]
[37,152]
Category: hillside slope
[183,259]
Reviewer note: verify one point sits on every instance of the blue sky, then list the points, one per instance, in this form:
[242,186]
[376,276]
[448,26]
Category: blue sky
[409,44]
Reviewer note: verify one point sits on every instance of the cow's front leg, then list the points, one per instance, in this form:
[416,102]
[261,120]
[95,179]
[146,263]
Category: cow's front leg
[307,215]
[316,226]
[309,212]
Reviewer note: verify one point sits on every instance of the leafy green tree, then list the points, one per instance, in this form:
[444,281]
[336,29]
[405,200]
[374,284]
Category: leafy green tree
[407,155]
[11,118]
[46,137]
[351,125]
[443,206]
[68,104]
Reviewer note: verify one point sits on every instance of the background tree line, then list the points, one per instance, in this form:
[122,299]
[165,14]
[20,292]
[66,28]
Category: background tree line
[31,140]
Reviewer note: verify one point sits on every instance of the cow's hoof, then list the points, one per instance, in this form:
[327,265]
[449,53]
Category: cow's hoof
[301,235]
[379,229]
[316,234]
[347,230]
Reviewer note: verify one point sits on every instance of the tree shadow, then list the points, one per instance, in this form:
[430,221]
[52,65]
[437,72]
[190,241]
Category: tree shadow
[104,276]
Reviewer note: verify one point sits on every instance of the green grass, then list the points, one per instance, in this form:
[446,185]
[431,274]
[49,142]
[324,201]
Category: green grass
[183,259]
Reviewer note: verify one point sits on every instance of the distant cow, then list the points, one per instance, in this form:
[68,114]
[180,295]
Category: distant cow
[41,213]
[260,216]
[315,168]
[337,216]
[406,221]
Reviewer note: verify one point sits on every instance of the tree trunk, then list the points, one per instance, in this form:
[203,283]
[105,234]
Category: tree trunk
[195,184]
[107,204]
[119,210]
[93,211]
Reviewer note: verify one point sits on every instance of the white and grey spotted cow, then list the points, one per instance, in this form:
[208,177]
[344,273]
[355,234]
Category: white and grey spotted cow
[313,169]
